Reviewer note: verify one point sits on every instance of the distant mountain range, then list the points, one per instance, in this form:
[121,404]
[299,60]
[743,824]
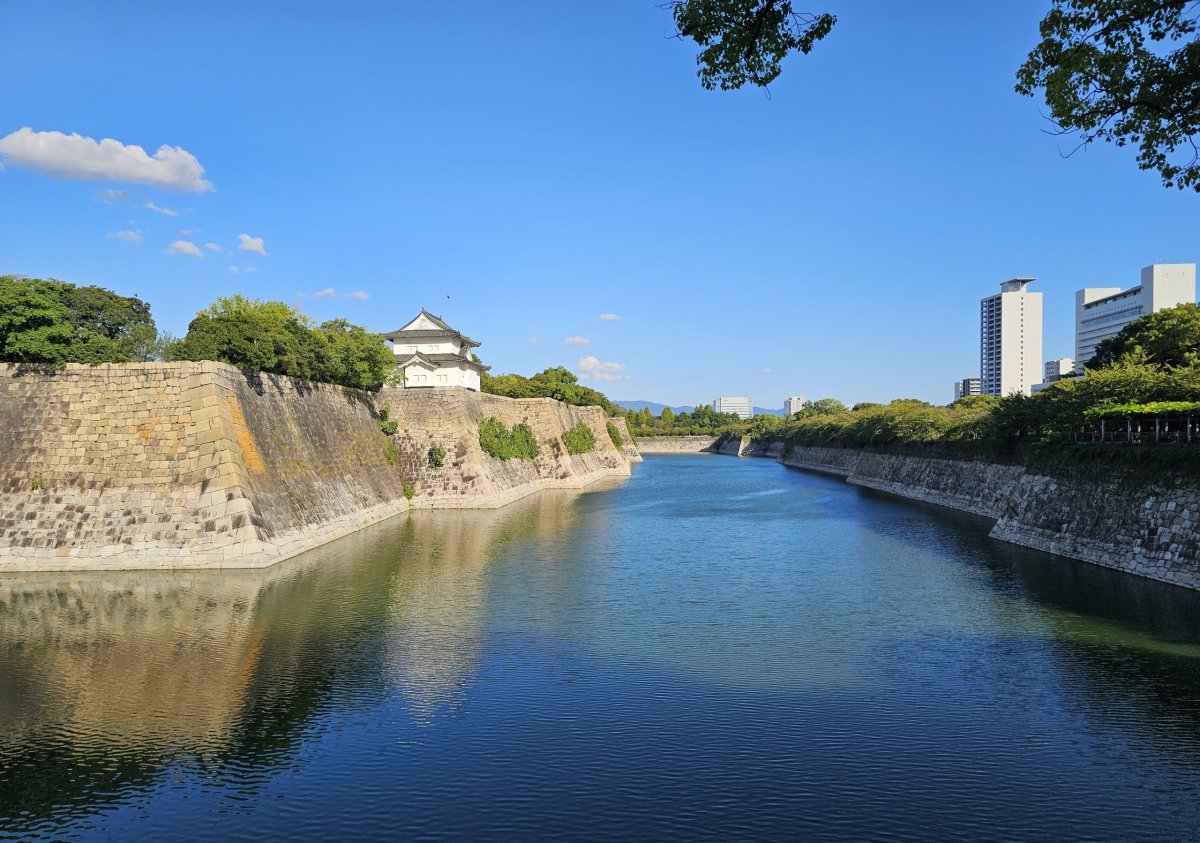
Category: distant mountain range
[656,408]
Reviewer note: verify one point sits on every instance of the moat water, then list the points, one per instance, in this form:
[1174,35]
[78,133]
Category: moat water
[715,648]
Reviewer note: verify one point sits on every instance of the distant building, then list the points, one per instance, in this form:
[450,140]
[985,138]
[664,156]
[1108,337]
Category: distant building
[1101,312]
[1010,339]
[967,387]
[793,405]
[1058,369]
[739,405]
[431,353]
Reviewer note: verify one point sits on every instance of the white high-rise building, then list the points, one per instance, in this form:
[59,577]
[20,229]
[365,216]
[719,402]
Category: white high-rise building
[1058,369]
[740,405]
[793,405]
[1010,339]
[967,387]
[1101,312]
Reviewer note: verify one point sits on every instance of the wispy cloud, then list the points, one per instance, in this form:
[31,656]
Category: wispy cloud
[768,370]
[131,237]
[331,293]
[189,232]
[166,212]
[601,370]
[212,247]
[609,317]
[582,342]
[246,243]
[86,159]
[185,247]
[533,340]
[109,196]
[246,267]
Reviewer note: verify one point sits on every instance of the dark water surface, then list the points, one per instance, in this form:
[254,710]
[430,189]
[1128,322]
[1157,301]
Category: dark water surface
[717,648]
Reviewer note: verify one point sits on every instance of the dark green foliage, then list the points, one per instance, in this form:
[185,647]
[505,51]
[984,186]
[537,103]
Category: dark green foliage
[579,439]
[436,456]
[615,435]
[275,337]
[409,492]
[557,383]
[355,357]
[1168,337]
[702,421]
[387,425]
[1124,71]
[746,40]
[46,321]
[498,441]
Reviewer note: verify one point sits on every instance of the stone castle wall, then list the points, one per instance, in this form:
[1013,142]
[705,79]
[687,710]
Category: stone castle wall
[178,465]
[1107,515]
[677,444]
[469,477]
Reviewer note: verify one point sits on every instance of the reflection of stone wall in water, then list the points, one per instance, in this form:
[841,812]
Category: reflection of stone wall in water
[440,600]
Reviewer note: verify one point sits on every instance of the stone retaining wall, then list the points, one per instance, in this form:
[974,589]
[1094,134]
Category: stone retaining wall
[1103,515]
[186,465]
[676,444]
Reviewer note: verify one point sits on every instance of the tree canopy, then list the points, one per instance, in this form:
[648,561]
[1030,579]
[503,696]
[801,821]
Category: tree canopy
[1168,337]
[556,382]
[745,41]
[1127,72]
[48,321]
[271,336]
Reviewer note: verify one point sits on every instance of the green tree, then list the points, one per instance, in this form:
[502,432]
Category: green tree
[354,357]
[1168,337]
[1126,72]
[34,325]
[822,407]
[746,40]
[667,417]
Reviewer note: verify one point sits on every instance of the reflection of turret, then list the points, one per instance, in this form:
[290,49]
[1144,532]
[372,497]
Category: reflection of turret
[438,613]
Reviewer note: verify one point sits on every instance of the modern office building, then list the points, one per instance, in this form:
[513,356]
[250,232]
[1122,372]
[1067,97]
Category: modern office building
[1010,339]
[793,405]
[740,405]
[1101,312]
[967,387]
[1058,369]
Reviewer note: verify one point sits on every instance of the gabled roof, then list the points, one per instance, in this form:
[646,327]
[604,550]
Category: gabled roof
[442,330]
[435,360]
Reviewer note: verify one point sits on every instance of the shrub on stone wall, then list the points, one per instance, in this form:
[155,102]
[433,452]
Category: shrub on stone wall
[498,441]
[436,456]
[579,439]
[614,435]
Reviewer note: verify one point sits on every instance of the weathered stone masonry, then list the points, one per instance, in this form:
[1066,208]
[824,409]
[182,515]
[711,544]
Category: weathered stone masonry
[184,465]
[1103,516]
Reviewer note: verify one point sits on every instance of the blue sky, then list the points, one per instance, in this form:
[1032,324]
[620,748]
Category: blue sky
[522,168]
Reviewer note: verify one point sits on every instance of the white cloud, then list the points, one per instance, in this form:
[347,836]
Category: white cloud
[113,197]
[185,247]
[246,243]
[235,270]
[596,369]
[767,370]
[166,212]
[77,157]
[609,317]
[330,293]
[189,232]
[212,247]
[133,237]
[582,342]
[534,340]
[248,267]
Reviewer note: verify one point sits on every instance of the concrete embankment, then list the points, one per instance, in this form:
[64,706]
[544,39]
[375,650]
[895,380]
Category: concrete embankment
[1107,514]
[193,465]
